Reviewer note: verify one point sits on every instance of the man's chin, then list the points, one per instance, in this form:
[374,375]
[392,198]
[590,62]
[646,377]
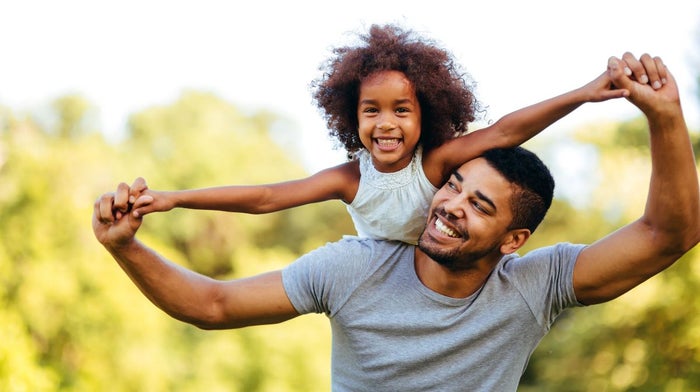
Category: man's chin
[454,259]
[436,252]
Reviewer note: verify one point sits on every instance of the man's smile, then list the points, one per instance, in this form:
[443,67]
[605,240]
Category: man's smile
[441,227]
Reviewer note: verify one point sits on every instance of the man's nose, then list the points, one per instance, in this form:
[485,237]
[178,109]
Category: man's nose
[455,206]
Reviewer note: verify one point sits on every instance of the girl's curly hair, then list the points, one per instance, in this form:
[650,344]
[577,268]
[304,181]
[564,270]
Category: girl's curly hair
[446,99]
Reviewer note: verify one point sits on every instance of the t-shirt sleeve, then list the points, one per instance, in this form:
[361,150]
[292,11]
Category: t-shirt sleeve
[321,280]
[544,278]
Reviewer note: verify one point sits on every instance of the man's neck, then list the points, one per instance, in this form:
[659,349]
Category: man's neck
[452,283]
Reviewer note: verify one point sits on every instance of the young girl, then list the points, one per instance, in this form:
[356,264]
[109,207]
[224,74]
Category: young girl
[400,106]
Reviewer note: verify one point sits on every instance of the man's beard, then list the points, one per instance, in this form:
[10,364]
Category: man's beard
[454,259]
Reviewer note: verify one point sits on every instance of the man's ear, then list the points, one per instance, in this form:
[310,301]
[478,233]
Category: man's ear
[514,240]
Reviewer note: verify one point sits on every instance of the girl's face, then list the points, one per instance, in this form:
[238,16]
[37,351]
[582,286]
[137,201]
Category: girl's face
[389,119]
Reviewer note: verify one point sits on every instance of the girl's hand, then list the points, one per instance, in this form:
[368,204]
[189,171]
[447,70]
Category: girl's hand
[143,201]
[601,89]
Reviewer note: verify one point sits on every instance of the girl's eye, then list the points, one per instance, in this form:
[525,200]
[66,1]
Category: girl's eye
[402,110]
[370,110]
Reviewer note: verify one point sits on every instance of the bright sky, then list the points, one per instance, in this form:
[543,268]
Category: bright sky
[127,55]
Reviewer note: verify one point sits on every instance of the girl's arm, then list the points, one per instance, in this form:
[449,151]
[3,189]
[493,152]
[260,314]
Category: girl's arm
[339,182]
[515,128]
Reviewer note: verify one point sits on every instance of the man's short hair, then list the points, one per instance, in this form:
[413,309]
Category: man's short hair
[534,185]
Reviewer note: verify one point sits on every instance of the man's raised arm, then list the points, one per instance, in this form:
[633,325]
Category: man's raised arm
[670,224]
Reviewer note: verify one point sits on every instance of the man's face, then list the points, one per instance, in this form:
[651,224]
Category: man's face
[469,216]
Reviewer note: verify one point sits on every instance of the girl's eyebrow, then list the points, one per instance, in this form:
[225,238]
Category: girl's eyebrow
[402,101]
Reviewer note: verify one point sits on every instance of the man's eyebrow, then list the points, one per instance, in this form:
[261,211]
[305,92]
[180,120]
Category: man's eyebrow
[486,199]
[478,193]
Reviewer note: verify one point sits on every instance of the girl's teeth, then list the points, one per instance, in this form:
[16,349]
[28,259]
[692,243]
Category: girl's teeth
[388,142]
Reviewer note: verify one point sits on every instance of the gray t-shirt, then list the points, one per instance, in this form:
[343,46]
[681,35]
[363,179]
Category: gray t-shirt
[391,333]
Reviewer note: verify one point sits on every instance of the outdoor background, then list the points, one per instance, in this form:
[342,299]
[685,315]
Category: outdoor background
[200,94]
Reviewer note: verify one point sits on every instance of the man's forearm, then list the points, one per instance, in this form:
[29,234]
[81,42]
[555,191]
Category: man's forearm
[673,201]
[179,292]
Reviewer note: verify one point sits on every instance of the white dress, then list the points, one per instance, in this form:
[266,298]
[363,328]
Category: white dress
[391,206]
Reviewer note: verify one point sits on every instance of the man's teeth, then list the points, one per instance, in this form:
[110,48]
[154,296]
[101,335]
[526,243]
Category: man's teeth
[444,229]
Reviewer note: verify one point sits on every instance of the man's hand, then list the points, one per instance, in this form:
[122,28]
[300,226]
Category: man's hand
[113,224]
[652,88]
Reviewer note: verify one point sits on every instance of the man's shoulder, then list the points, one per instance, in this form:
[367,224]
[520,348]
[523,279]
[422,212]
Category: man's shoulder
[351,240]
[546,254]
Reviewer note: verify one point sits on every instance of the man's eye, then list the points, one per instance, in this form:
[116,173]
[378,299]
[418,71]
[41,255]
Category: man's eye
[480,207]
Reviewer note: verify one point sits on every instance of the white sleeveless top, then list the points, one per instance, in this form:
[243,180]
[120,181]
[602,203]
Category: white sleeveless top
[391,206]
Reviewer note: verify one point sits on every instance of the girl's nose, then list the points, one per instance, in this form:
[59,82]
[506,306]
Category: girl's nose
[385,123]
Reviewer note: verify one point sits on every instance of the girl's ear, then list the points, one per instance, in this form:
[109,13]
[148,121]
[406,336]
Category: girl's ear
[514,240]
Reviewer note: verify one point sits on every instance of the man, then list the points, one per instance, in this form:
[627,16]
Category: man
[461,311]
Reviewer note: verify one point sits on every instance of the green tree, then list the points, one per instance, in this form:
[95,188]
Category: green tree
[73,113]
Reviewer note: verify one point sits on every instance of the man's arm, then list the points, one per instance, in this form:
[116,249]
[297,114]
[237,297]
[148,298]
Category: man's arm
[182,293]
[669,226]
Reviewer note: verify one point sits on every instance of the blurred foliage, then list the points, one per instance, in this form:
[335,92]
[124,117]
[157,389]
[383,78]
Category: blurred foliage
[70,320]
